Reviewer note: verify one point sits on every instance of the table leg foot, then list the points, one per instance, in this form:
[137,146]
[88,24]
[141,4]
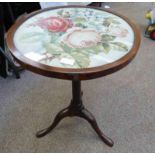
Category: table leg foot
[63,113]
[91,119]
[76,108]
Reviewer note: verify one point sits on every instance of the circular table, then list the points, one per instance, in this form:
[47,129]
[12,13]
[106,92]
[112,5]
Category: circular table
[74,43]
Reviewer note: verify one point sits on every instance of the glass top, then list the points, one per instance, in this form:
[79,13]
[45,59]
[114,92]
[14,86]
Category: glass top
[74,38]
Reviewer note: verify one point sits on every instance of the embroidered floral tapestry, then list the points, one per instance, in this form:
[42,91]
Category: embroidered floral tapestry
[74,38]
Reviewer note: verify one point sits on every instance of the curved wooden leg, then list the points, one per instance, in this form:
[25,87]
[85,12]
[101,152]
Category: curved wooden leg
[76,108]
[63,113]
[90,118]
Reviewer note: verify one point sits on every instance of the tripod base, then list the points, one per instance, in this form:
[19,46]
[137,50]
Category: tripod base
[76,108]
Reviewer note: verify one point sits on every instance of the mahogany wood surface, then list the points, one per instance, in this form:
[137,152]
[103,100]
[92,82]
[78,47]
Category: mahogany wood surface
[70,73]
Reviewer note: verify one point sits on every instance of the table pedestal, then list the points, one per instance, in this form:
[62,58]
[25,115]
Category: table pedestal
[76,108]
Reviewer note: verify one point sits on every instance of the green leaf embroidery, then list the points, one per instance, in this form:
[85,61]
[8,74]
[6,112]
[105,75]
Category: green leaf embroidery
[98,48]
[106,47]
[85,52]
[106,23]
[80,20]
[107,37]
[120,46]
[81,57]
[66,48]
[53,49]
[91,50]
[66,14]
[60,12]
[110,20]
[80,25]
[82,60]
[115,22]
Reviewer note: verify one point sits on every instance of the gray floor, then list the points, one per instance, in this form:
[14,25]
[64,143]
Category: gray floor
[123,103]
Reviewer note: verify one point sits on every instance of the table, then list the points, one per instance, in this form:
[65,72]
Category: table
[74,43]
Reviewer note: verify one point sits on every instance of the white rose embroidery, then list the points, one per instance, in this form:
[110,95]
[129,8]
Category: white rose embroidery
[118,31]
[81,38]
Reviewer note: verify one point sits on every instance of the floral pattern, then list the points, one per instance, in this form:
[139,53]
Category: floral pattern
[74,38]
[81,38]
[54,24]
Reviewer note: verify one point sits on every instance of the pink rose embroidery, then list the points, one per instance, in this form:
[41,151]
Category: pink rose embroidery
[55,24]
